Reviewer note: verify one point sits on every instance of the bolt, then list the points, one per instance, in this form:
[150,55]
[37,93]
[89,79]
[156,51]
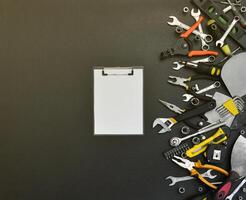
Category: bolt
[181,190]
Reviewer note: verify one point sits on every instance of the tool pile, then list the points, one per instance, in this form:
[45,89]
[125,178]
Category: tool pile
[214,123]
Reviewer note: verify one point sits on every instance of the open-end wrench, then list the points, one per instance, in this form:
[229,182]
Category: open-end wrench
[175,180]
[221,41]
[236,190]
[176,22]
[187,97]
[196,16]
[180,65]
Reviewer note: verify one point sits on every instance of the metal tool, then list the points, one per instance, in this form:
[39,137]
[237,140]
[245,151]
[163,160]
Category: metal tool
[172,107]
[233,75]
[186,9]
[181,190]
[238,165]
[215,85]
[191,166]
[175,22]
[196,16]
[221,41]
[236,190]
[217,138]
[188,97]
[178,151]
[175,180]
[237,13]
[176,141]
[167,123]
[181,64]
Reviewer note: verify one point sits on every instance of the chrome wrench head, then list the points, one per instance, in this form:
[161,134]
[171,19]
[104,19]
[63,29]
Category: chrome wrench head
[178,66]
[208,174]
[165,123]
[187,97]
[195,14]
[174,22]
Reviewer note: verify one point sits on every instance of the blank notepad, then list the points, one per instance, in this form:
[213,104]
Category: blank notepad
[118,101]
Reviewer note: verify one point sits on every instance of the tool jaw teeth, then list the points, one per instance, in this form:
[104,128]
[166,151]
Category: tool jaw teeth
[162,122]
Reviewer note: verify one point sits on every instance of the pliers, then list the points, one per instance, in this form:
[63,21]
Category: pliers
[187,164]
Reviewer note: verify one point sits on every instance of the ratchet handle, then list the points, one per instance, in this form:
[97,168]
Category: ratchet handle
[197,111]
[192,28]
[202,68]
[225,189]
[202,53]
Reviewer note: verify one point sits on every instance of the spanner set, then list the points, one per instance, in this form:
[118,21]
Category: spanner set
[210,117]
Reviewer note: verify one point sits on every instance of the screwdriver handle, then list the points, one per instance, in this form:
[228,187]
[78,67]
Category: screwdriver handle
[202,68]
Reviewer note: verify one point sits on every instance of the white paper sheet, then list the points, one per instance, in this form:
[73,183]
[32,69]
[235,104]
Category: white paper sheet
[118,101]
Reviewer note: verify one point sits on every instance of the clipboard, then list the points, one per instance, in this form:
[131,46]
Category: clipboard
[118,100]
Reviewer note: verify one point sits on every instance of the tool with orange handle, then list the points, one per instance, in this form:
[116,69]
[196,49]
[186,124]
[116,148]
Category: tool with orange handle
[192,28]
[185,163]
[183,47]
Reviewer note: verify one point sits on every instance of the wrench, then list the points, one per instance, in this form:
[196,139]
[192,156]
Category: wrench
[176,22]
[176,141]
[175,180]
[196,16]
[187,97]
[221,41]
[180,65]
[236,190]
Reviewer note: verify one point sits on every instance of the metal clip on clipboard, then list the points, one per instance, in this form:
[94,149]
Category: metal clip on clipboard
[118,100]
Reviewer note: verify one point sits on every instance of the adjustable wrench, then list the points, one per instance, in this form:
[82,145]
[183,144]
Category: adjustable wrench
[180,65]
[196,16]
[176,22]
[221,41]
[175,180]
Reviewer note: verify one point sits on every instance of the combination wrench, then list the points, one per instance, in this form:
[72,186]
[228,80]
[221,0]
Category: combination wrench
[221,41]
[180,65]
[176,22]
[196,16]
[175,180]
[188,97]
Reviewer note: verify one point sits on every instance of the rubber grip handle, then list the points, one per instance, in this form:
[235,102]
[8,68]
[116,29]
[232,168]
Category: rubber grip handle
[202,53]
[192,28]
[202,68]
[196,111]
[225,189]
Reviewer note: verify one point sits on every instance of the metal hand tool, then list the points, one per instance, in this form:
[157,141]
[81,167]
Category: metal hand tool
[217,138]
[221,41]
[176,22]
[184,47]
[188,97]
[175,180]
[215,85]
[238,164]
[192,28]
[167,123]
[176,141]
[178,151]
[226,3]
[237,13]
[172,107]
[236,190]
[191,166]
[196,16]
[180,64]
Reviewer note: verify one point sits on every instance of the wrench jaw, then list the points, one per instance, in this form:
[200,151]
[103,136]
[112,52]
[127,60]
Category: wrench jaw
[178,66]
[174,21]
[219,43]
[165,123]
[187,97]
[172,182]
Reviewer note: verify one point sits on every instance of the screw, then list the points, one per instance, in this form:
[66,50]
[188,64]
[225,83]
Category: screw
[244,190]
[181,190]
[200,189]
[242,132]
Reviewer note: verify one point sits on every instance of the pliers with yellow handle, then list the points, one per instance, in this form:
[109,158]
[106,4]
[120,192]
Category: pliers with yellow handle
[187,164]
